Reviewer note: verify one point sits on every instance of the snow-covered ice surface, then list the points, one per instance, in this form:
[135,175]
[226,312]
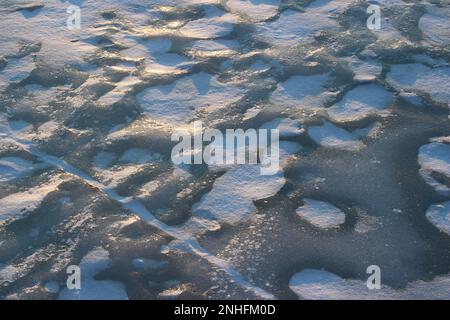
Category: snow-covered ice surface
[321,214]
[86,177]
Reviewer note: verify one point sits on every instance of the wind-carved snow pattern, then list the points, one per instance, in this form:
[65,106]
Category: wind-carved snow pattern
[86,117]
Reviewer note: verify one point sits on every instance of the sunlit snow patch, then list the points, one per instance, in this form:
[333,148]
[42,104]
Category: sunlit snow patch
[15,71]
[365,70]
[19,205]
[321,214]
[303,92]
[231,199]
[361,102]
[254,10]
[119,92]
[176,102]
[417,77]
[157,59]
[293,27]
[215,24]
[330,136]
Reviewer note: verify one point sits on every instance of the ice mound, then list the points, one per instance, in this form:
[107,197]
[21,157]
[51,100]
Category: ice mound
[19,205]
[330,136]
[434,158]
[360,103]
[435,25]
[176,102]
[417,77]
[231,199]
[215,24]
[293,27]
[303,92]
[439,215]
[313,284]
[254,10]
[321,214]
[93,263]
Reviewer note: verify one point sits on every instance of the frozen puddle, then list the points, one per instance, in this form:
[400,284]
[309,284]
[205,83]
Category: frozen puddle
[434,158]
[313,284]
[93,263]
[330,136]
[321,214]
[439,215]
[176,102]
[360,103]
[418,77]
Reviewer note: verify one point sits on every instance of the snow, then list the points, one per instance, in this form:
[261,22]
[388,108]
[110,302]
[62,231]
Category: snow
[287,127]
[119,92]
[155,54]
[254,10]
[435,25]
[365,70]
[19,205]
[215,24]
[175,103]
[293,27]
[439,215]
[15,71]
[311,284]
[14,167]
[321,214]
[435,157]
[231,199]
[420,78]
[209,48]
[360,103]
[303,92]
[330,136]
[93,263]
